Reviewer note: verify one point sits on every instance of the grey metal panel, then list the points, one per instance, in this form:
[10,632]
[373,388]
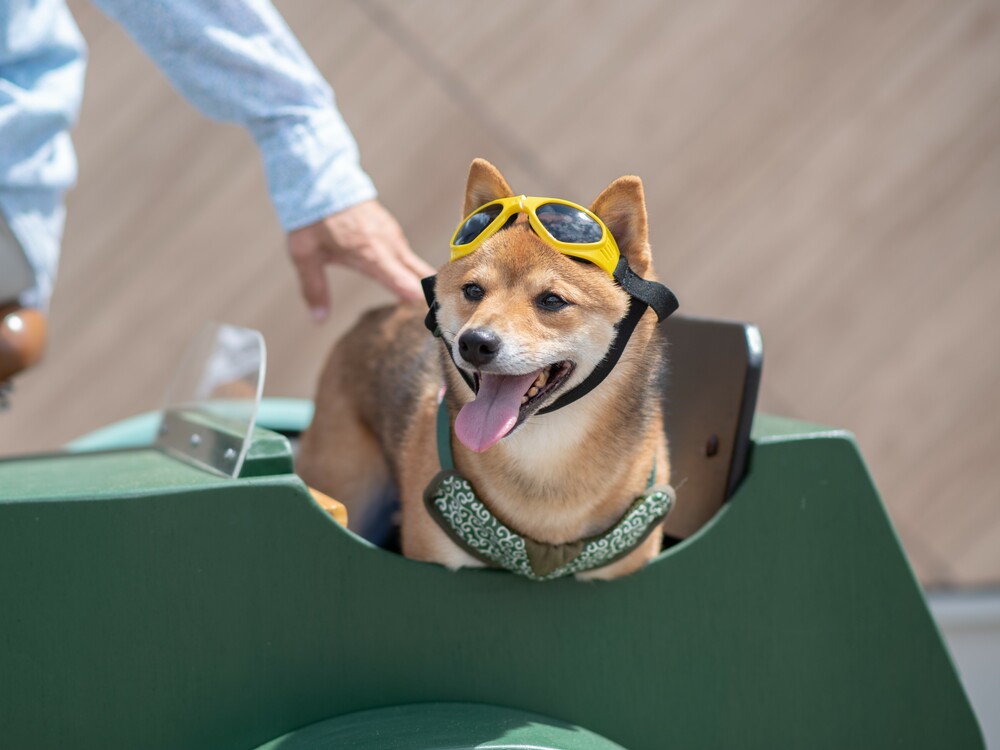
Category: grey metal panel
[709,400]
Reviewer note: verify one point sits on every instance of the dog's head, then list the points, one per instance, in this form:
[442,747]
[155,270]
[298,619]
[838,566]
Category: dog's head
[525,321]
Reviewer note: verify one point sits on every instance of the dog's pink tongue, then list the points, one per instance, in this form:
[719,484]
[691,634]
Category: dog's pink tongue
[493,414]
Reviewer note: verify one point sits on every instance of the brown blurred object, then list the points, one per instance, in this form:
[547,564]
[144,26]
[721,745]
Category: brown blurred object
[829,171]
[23,332]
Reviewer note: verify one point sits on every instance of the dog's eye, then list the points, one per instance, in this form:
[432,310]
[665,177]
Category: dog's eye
[473,292]
[551,301]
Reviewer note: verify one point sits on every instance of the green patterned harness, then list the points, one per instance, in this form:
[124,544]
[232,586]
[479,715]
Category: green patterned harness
[453,504]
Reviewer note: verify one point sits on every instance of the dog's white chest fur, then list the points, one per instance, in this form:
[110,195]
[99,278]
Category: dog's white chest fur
[547,451]
[544,444]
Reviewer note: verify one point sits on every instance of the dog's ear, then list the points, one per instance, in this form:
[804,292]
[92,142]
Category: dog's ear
[485,184]
[622,207]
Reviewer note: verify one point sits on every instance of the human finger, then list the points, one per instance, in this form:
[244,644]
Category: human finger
[311,271]
[396,276]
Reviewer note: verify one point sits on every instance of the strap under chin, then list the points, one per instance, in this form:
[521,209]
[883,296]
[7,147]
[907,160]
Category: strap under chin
[644,294]
[431,323]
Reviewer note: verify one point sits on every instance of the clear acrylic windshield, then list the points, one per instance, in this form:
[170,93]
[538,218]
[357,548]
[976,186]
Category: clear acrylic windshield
[211,405]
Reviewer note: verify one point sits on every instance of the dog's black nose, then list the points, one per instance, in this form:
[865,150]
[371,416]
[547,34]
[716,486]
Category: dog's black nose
[478,346]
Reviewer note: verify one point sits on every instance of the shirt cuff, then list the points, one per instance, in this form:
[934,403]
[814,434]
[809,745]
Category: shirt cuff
[313,169]
[36,218]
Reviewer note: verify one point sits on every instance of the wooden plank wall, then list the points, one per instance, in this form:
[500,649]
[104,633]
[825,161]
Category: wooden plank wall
[829,171]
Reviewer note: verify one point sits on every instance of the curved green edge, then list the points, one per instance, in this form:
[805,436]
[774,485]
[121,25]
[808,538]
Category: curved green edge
[442,726]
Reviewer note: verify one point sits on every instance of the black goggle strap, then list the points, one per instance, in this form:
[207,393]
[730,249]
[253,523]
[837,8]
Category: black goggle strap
[656,295]
[431,322]
[427,284]
[644,294]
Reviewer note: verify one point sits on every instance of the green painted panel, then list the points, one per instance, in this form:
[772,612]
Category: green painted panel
[227,614]
[769,428]
[105,474]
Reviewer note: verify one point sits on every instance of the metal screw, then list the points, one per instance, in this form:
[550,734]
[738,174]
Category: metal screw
[712,446]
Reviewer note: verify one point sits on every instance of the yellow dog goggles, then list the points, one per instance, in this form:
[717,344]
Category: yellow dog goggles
[569,228]
[575,231]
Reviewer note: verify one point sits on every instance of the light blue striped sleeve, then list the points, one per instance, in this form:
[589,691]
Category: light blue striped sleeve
[237,61]
[42,63]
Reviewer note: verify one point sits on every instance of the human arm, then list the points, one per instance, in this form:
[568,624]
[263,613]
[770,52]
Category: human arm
[366,238]
[42,63]
[238,62]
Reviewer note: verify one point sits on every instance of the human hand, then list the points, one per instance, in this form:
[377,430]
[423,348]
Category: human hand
[364,237]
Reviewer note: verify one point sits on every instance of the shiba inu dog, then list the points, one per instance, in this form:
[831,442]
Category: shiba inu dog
[546,367]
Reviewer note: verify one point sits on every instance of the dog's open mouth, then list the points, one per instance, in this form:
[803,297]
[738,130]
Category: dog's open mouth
[505,401]
[547,381]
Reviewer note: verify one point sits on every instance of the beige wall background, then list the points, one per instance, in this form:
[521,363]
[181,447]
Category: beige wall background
[827,170]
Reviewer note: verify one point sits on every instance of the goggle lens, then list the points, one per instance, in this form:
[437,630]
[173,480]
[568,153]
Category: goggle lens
[475,224]
[568,224]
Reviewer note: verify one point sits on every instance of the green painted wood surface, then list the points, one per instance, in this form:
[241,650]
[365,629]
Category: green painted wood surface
[219,615]
[442,726]
[104,474]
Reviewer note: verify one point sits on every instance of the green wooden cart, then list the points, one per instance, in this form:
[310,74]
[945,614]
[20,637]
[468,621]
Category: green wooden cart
[147,602]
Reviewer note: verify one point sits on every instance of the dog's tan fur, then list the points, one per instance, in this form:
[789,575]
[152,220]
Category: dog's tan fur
[558,477]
